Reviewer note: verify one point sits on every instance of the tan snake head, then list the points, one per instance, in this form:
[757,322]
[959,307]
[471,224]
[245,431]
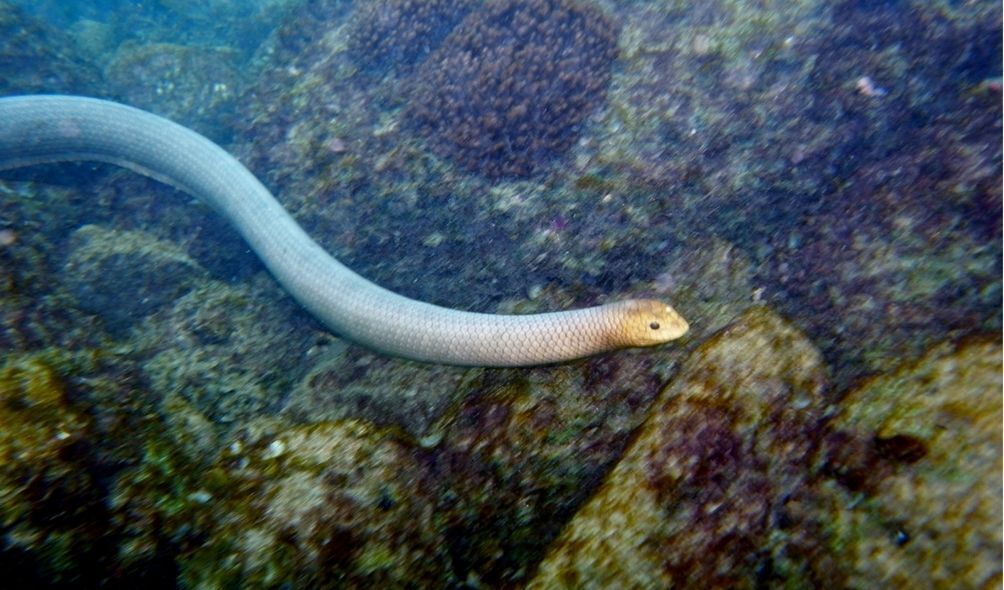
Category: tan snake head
[647,322]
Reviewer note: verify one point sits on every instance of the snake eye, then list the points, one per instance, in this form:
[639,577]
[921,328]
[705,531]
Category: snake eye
[654,325]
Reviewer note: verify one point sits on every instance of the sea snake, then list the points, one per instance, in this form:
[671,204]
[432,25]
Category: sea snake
[49,128]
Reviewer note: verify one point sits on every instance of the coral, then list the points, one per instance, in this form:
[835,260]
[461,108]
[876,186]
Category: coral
[396,34]
[509,88]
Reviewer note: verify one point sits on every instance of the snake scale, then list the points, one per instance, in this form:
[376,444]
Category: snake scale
[51,128]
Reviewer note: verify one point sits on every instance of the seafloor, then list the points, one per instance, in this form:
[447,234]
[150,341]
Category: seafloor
[815,185]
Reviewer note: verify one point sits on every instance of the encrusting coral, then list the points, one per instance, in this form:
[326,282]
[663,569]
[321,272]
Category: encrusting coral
[508,89]
[400,33]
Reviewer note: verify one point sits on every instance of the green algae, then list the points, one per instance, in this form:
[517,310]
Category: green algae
[317,503]
[31,385]
[45,492]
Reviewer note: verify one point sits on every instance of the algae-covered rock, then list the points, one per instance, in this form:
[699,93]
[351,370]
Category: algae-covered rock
[123,276]
[35,57]
[51,509]
[235,349]
[351,382]
[704,496]
[327,505]
[91,493]
[195,86]
[851,149]
[712,280]
[917,454]
[523,449]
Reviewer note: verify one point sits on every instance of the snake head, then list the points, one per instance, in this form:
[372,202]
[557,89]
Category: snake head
[647,322]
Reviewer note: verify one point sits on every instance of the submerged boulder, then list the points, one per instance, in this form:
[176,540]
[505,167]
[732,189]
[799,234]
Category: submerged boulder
[708,492]
[123,276]
[916,456]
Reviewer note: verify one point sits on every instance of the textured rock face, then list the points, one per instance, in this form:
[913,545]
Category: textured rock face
[37,58]
[323,506]
[48,496]
[196,87]
[237,349]
[745,475]
[707,494]
[917,454]
[122,276]
[508,88]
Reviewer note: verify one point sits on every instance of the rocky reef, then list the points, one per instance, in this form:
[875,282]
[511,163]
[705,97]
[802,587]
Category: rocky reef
[702,498]
[814,185]
[916,466]
[770,489]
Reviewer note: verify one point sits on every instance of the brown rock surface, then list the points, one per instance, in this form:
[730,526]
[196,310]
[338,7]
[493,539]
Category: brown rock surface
[704,496]
[919,500]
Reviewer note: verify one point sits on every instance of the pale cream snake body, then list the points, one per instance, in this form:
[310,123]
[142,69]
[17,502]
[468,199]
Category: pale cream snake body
[48,128]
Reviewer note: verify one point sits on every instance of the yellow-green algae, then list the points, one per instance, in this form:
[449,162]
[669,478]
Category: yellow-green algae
[43,490]
[37,424]
[57,460]
[312,505]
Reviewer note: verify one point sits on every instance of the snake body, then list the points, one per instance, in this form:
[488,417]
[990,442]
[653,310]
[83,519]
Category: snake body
[49,128]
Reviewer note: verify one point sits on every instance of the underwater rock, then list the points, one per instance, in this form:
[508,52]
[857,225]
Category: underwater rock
[352,382]
[713,280]
[35,57]
[507,90]
[523,449]
[37,217]
[52,512]
[123,276]
[893,266]
[194,86]
[872,218]
[710,101]
[917,456]
[703,496]
[234,350]
[93,37]
[327,505]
